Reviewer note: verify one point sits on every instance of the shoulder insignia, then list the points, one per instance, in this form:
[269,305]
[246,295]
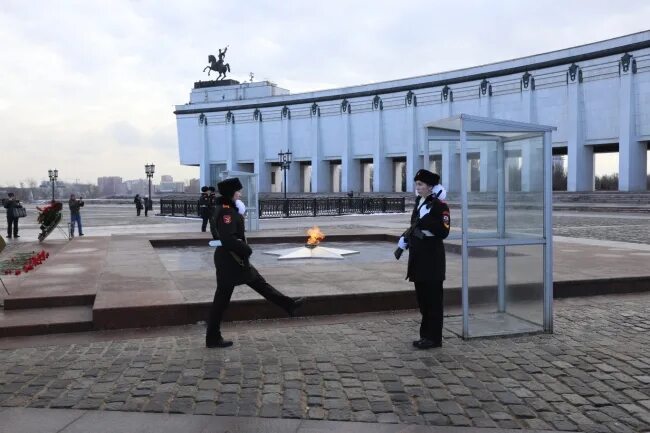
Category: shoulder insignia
[445,219]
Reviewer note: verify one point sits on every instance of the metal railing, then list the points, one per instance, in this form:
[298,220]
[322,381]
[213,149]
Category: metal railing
[300,207]
[187,208]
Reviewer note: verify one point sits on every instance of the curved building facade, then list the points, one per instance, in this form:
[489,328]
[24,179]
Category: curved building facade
[373,137]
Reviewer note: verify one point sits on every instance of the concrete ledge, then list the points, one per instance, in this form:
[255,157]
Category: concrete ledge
[188,313]
[139,316]
[46,301]
[46,321]
[603,286]
[452,246]
[253,239]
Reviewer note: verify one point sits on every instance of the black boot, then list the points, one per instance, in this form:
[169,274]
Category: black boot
[425,343]
[218,342]
[295,305]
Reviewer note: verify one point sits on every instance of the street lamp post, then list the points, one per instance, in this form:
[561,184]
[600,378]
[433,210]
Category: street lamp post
[285,164]
[149,170]
[54,175]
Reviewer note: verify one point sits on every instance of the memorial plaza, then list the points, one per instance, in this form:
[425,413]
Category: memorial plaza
[97,359]
[108,333]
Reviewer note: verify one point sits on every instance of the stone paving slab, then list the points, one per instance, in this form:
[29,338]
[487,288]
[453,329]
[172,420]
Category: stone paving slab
[67,277]
[18,420]
[25,420]
[592,375]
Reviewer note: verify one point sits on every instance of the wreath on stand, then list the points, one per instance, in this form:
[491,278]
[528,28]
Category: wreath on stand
[49,217]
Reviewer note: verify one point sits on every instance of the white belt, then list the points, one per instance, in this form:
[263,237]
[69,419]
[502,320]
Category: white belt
[427,233]
[215,244]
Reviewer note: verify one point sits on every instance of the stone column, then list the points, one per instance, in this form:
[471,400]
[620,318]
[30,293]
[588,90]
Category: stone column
[450,176]
[261,167]
[320,170]
[205,151]
[580,176]
[488,150]
[350,168]
[532,174]
[412,146]
[381,181]
[231,148]
[293,173]
[632,154]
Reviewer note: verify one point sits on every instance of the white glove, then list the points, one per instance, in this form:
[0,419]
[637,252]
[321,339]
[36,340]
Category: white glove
[241,207]
[440,189]
[402,243]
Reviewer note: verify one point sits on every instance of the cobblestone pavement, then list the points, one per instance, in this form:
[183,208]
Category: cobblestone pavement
[603,226]
[592,375]
[611,227]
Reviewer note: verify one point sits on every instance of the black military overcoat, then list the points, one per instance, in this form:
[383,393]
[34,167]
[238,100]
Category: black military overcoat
[427,254]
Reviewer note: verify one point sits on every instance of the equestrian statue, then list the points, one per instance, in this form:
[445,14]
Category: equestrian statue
[218,65]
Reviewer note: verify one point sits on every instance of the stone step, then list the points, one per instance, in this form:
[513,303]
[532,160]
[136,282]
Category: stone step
[31,300]
[38,321]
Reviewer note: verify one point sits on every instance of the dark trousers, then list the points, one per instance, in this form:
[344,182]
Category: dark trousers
[429,294]
[146,211]
[204,225]
[12,227]
[222,299]
[137,209]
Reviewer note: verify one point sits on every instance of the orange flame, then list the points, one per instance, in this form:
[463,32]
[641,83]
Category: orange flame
[315,236]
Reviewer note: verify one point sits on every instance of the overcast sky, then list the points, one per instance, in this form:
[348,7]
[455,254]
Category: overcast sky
[88,87]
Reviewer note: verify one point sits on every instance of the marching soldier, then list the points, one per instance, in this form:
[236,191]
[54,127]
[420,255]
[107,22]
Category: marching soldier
[231,260]
[430,223]
[204,207]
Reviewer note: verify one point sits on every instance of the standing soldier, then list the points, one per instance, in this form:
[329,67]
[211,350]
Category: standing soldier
[204,209]
[148,205]
[231,260]
[212,204]
[430,224]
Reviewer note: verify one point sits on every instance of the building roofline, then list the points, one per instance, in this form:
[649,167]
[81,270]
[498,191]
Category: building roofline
[475,73]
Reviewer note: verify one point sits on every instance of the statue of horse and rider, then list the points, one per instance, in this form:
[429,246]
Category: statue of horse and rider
[218,65]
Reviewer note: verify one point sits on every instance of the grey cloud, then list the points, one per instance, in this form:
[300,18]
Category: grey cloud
[98,80]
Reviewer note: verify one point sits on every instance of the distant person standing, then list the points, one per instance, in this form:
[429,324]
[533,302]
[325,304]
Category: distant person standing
[75,214]
[138,204]
[204,208]
[147,205]
[212,204]
[10,204]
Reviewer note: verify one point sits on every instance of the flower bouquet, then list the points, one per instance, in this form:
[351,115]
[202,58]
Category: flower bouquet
[23,262]
[49,217]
